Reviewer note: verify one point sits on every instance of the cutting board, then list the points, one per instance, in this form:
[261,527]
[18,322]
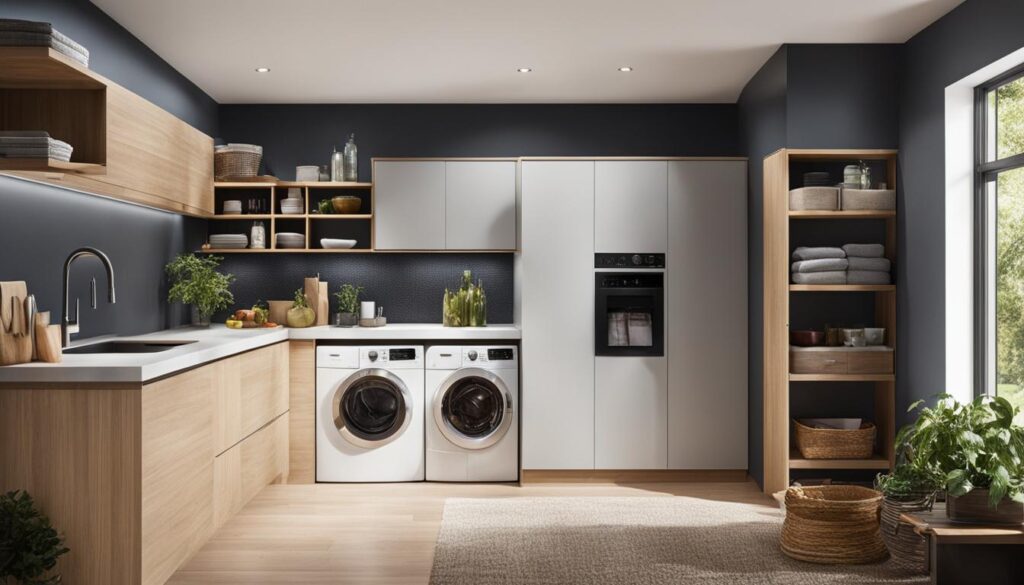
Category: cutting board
[319,301]
[15,338]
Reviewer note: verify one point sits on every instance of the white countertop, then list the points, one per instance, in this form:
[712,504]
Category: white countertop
[219,342]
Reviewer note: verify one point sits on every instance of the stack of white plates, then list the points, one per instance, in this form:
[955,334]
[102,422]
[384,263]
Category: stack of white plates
[290,240]
[229,241]
[233,206]
[292,206]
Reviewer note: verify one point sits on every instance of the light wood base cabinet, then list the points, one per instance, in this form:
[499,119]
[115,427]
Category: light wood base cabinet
[130,474]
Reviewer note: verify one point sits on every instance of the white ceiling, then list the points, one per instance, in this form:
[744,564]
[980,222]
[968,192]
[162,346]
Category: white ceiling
[467,51]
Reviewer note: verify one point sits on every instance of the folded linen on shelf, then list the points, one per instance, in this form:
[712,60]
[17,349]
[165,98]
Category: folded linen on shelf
[55,40]
[865,250]
[875,264]
[15,26]
[867,277]
[831,277]
[6,134]
[821,265]
[806,253]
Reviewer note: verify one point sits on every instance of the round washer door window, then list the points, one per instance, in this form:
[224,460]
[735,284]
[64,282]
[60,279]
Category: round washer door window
[473,409]
[372,408]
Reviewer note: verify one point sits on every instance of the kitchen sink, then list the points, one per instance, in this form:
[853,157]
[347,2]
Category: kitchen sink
[126,346]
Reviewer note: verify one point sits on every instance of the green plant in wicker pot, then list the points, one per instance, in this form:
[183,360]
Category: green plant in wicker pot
[907,489]
[979,453]
[348,305]
[195,281]
[29,546]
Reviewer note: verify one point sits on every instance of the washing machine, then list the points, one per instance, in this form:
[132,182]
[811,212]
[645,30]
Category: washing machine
[370,412]
[472,419]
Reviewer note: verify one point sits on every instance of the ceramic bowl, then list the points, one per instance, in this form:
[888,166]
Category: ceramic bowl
[806,338]
[335,244]
[346,204]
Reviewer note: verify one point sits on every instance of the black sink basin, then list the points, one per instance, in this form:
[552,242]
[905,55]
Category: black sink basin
[123,346]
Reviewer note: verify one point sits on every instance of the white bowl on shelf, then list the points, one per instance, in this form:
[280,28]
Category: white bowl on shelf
[336,244]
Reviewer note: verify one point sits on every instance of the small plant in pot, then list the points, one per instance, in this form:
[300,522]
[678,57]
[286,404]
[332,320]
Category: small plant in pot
[300,315]
[907,489]
[195,281]
[29,546]
[979,452]
[348,305]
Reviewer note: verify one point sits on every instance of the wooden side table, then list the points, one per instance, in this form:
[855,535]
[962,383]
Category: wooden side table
[964,553]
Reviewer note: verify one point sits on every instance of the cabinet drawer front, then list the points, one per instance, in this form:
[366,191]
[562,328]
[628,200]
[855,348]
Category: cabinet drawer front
[252,390]
[243,470]
[871,362]
[818,362]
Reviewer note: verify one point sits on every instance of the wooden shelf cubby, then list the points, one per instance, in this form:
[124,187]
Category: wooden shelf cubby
[783,231]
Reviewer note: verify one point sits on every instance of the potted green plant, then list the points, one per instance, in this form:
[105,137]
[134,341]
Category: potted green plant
[300,315]
[979,452]
[907,489]
[196,281]
[29,546]
[348,305]
[466,306]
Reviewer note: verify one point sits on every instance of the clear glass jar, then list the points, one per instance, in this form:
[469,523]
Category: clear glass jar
[351,157]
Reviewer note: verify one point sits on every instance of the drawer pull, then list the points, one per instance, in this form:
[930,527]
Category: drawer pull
[831,362]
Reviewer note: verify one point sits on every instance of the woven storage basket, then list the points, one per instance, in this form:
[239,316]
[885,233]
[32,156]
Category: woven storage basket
[835,443]
[833,525]
[236,161]
[909,549]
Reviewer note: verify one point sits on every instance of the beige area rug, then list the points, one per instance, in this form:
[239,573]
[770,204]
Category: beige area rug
[627,540]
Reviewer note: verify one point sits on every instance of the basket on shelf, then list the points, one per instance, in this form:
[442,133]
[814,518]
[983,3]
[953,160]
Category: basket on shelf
[833,525]
[835,443]
[909,549]
[236,161]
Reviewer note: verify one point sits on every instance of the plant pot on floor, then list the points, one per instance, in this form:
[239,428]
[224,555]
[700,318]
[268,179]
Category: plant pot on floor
[973,508]
[346,319]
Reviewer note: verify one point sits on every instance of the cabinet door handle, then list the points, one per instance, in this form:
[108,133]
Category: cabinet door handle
[830,362]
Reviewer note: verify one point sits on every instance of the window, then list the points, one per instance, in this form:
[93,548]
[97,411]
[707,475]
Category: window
[1000,250]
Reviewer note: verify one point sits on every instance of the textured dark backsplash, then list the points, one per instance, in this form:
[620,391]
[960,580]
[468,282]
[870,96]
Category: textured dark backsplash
[408,286]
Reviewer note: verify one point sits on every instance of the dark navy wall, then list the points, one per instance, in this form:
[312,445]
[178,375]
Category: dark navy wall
[973,35]
[40,225]
[762,130]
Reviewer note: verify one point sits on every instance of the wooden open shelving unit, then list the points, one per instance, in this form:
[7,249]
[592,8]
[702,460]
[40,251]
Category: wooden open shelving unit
[779,456]
[273,192]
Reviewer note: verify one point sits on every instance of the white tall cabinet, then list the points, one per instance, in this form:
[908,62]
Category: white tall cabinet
[686,410]
[555,276]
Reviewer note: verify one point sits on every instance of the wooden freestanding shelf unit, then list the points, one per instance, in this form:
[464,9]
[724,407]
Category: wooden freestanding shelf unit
[779,457]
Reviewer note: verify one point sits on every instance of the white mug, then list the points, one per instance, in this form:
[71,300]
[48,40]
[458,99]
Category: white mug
[367,310]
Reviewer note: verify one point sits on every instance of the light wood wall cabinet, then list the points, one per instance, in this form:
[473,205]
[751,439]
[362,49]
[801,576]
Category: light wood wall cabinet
[783,231]
[437,204]
[125,147]
[134,476]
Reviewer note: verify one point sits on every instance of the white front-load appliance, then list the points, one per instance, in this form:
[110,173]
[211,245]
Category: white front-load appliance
[369,413]
[472,413]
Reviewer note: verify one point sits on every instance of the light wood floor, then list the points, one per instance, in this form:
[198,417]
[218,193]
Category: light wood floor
[373,533]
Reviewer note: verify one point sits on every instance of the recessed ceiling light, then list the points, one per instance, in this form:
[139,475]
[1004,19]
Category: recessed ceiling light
[524,70]
[625,69]
[263,70]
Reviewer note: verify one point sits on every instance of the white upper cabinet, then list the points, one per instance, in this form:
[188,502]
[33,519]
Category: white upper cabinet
[631,206]
[409,205]
[480,204]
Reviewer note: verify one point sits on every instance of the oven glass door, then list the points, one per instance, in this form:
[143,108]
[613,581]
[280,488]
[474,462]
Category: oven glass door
[629,314]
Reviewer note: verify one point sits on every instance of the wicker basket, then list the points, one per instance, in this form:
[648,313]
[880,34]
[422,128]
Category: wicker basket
[236,160]
[835,443]
[909,549]
[833,525]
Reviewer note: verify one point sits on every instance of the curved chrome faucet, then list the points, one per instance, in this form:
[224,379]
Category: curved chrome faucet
[67,325]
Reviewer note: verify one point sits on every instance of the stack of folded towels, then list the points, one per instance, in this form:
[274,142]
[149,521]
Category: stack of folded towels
[33,144]
[25,33]
[851,264]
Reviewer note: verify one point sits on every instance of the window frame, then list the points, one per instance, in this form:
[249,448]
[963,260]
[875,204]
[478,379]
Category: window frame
[986,172]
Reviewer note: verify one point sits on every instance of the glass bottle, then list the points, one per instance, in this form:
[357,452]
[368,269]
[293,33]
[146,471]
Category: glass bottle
[351,166]
[865,176]
[337,166]
[258,238]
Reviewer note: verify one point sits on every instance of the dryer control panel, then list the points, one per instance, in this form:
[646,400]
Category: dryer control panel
[453,357]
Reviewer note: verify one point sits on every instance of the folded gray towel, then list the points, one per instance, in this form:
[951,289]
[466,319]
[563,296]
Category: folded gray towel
[867,277]
[831,277]
[821,265]
[804,253]
[865,250]
[875,264]
[13,24]
[51,34]
[24,134]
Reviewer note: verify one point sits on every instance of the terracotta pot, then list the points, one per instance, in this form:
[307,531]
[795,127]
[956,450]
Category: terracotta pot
[973,508]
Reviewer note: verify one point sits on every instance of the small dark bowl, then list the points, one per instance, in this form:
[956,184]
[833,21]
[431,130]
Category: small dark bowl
[805,338]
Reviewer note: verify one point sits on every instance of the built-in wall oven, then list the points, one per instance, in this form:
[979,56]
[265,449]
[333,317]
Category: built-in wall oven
[629,304]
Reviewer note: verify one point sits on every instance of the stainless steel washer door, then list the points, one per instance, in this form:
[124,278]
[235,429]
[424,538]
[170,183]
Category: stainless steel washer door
[371,408]
[473,408]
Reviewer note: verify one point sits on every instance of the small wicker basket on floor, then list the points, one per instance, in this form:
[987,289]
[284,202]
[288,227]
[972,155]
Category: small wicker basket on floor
[908,548]
[833,525]
[835,443]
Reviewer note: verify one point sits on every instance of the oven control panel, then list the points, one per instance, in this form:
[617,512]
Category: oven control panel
[629,260]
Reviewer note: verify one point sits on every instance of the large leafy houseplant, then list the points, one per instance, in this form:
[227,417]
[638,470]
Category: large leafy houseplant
[29,546]
[196,281]
[973,446]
